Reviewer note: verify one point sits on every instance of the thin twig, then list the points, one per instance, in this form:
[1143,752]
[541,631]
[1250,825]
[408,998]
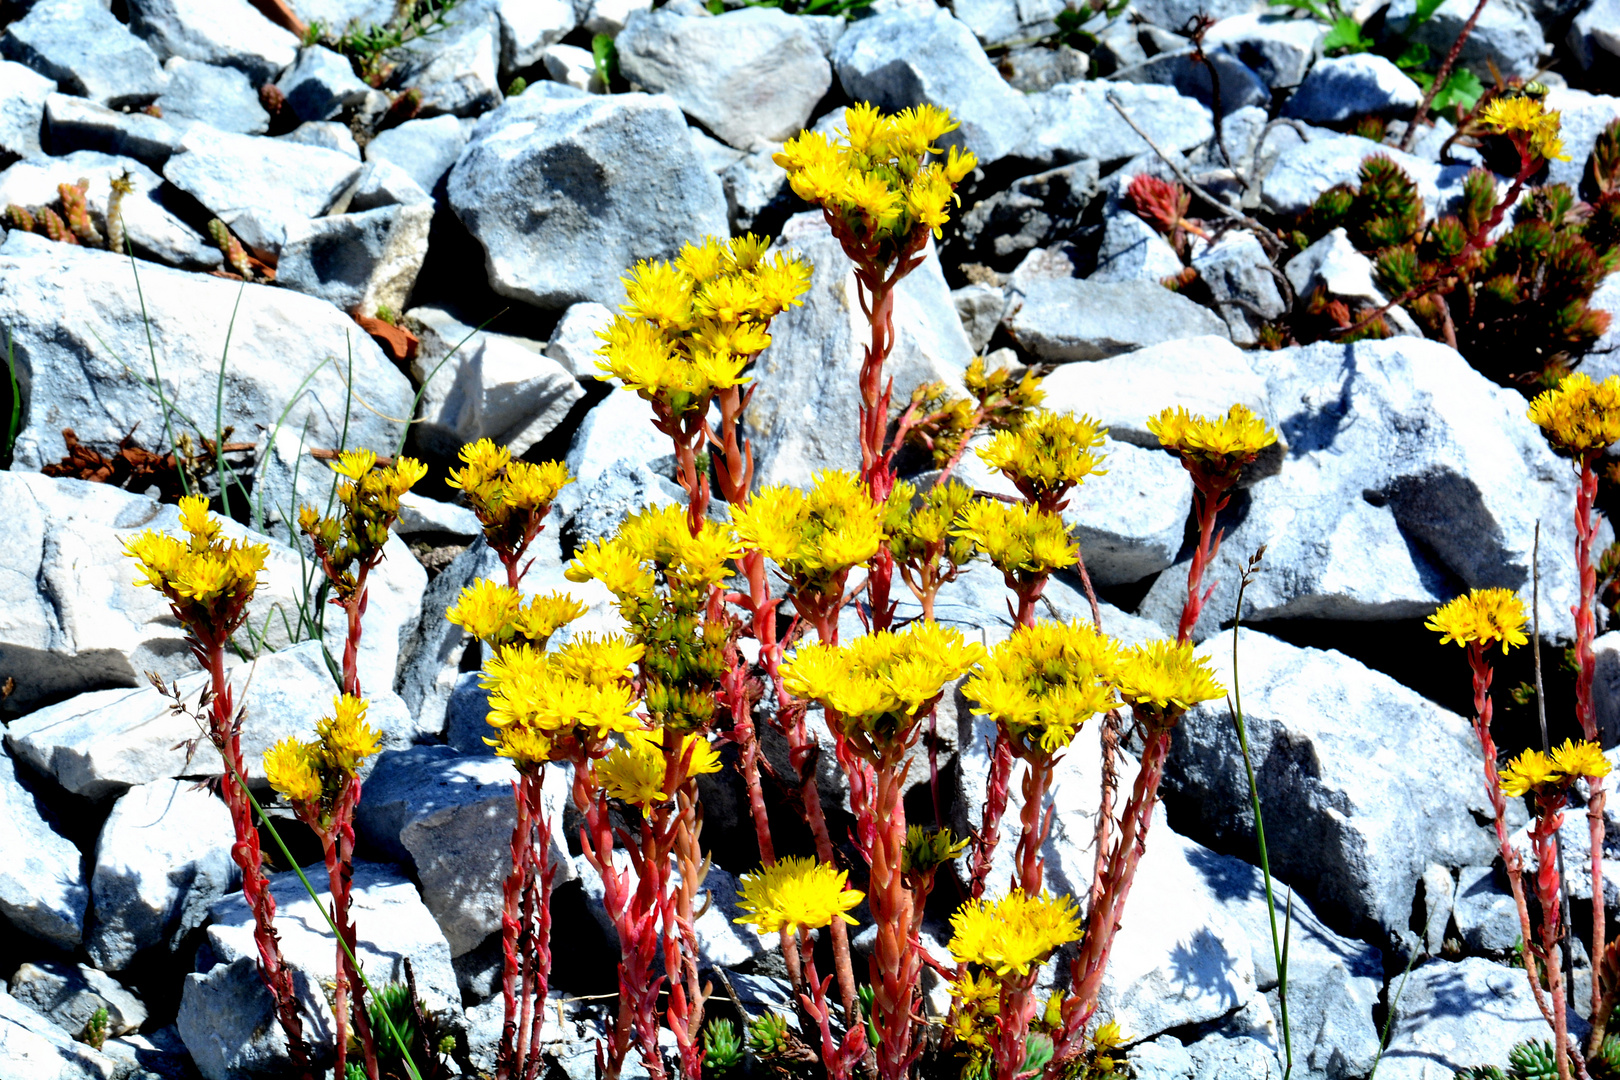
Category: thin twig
[1440,77]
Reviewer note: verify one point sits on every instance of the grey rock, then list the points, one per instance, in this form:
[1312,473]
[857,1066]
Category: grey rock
[1034,68]
[1174,14]
[69,994]
[153,232]
[89,53]
[1582,117]
[1132,250]
[230,33]
[74,315]
[1240,87]
[226,1015]
[803,415]
[610,16]
[423,148]
[574,340]
[545,171]
[259,187]
[338,14]
[457,68]
[163,858]
[979,307]
[105,741]
[755,186]
[1076,121]
[1240,279]
[357,262]
[1304,170]
[1455,1016]
[1484,912]
[1277,48]
[1165,1058]
[38,1050]
[321,85]
[22,111]
[1219,1056]
[913,56]
[1606,687]
[419,515]
[594,511]
[1439,894]
[1506,34]
[466,717]
[160,1055]
[324,135]
[1206,375]
[572,66]
[618,429]
[1362,522]
[1119,44]
[1334,265]
[753,73]
[1032,211]
[1357,838]
[221,97]
[505,389]
[449,817]
[43,891]
[1346,87]
[1592,37]
[997,22]
[72,123]
[1087,320]
[528,28]
[382,183]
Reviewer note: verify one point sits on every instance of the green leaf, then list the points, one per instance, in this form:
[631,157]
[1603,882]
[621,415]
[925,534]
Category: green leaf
[1461,89]
[606,55]
[1415,56]
[1302,5]
[1425,11]
[1345,34]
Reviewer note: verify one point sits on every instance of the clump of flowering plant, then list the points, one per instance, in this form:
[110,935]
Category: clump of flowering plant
[510,497]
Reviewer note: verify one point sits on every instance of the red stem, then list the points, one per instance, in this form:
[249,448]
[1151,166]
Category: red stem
[1544,836]
[1586,524]
[1013,1021]
[995,805]
[1036,822]
[895,960]
[1210,501]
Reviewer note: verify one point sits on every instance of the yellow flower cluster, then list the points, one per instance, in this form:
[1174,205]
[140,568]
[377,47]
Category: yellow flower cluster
[546,704]
[305,771]
[915,533]
[690,327]
[1165,677]
[508,496]
[1580,416]
[1536,771]
[370,498]
[813,536]
[796,893]
[879,684]
[1018,538]
[636,771]
[1483,617]
[1233,439]
[208,581]
[658,539]
[1527,119]
[497,613]
[1009,935]
[875,181]
[1044,682]
[1048,453]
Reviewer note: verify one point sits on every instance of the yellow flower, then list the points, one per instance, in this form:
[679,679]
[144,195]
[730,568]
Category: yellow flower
[345,737]
[1048,452]
[1580,416]
[510,497]
[875,183]
[497,613]
[291,768]
[657,540]
[813,536]
[354,463]
[879,684]
[635,772]
[1221,442]
[796,893]
[1581,759]
[1528,122]
[207,581]
[1483,617]
[1017,538]
[1008,935]
[576,693]
[1165,677]
[1044,681]
[692,326]
[1531,771]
